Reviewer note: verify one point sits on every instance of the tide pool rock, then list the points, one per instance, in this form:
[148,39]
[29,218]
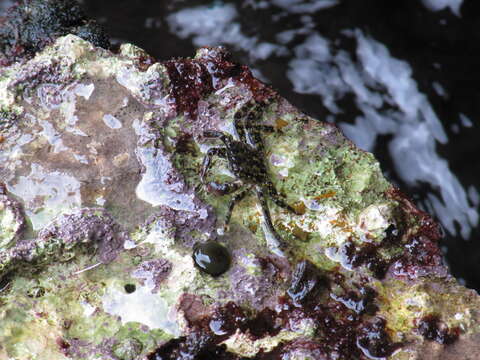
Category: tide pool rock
[102,204]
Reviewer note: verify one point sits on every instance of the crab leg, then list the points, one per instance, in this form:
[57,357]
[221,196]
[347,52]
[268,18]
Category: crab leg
[235,200]
[254,139]
[244,123]
[277,199]
[239,127]
[268,219]
[264,128]
[207,160]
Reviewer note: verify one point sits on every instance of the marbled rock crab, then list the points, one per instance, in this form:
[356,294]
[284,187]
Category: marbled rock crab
[245,156]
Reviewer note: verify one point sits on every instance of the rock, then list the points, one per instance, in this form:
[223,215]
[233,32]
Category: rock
[12,221]
[129,349]
[30,25]
[103,203]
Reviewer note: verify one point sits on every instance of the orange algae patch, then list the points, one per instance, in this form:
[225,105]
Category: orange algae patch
[326,195]
[280,124]
[342,224]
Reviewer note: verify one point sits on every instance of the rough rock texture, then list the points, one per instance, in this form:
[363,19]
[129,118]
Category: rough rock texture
[102,202]
[30,25]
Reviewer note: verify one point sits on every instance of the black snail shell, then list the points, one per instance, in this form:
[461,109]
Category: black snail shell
[211,257]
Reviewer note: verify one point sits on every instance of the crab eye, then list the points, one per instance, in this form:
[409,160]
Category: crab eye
[211,257]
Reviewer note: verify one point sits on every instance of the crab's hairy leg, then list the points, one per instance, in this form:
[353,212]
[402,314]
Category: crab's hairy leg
[207,160]
[276,198]
[224,137]
[253,137]
[267,218]
[254,130]
[239,123]
[214,134]
[235,200]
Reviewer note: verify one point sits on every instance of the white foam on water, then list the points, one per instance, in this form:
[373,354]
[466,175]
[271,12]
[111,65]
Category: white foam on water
[396,76]
[437,5]
[216,25]
[465,121]
[312,71]
[305,6]
[439,89]
[474,195]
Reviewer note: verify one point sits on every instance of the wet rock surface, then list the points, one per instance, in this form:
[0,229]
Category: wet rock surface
[104,199]
[12,219]
[30,25]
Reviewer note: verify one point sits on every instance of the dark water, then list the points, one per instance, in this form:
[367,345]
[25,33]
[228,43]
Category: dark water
[399,77]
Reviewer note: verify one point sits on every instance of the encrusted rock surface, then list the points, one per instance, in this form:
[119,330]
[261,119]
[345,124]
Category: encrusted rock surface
[30,25]
[102,203]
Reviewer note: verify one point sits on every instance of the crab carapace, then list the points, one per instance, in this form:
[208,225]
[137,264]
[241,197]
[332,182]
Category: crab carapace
[246,160]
